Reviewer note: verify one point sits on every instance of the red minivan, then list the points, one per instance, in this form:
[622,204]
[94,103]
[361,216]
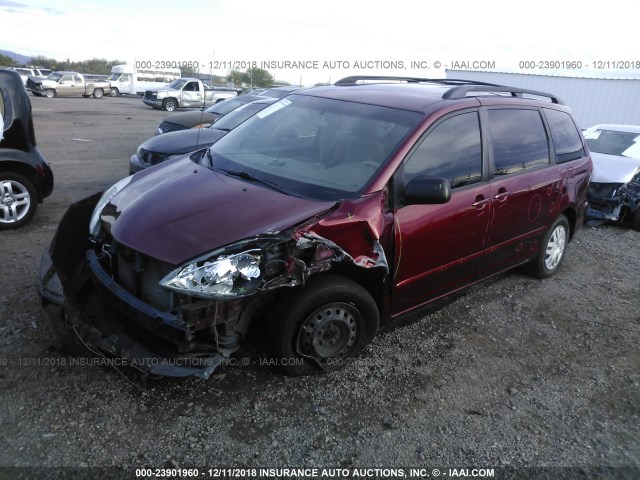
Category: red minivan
[327,214]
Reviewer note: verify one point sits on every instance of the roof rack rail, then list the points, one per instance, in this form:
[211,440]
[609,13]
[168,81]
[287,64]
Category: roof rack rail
[445,81]
[461,91]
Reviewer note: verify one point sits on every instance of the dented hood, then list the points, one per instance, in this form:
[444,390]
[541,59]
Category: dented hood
[613,168]
[182,210]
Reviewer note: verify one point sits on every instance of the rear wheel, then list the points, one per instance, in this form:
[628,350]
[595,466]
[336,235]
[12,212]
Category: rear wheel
[169,105]
[49,93]
[551,251]
[98,93]
[18,200]
[324,325]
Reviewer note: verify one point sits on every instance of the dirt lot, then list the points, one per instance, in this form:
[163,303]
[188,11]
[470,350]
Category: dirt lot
[515,373]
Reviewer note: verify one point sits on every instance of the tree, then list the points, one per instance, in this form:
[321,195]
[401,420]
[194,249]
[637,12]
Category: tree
[257,77]
[44,62]
[6,61]
[236,77]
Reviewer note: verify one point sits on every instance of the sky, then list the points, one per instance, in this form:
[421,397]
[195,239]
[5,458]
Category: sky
[325,40]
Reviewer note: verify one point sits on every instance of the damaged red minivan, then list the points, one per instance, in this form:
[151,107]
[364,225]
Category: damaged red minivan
[325,215]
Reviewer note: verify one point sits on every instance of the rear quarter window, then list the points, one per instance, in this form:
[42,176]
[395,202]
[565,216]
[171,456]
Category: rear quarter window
[518,139]
[566,139]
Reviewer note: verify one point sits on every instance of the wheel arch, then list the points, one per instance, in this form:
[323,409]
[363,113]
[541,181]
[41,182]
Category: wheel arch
[25,170]
[572,218]
[174,99]
[373,280]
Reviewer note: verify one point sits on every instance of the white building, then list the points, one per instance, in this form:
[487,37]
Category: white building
[593,100]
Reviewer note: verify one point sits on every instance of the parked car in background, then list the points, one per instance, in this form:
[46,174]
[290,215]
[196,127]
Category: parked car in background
[329,212]
[25,177]
[165,147]
[67,84]
[186,92]
[614,192]
[26,72]
[202,119]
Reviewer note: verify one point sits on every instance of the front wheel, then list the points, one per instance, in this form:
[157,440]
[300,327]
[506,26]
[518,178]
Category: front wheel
[323,326]
[552,250]
[169,105]
[114,92]
[18,200]
[49,93]
[98,93]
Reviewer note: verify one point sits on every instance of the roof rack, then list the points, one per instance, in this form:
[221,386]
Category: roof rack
[462,90]
[445,81]
[459,89]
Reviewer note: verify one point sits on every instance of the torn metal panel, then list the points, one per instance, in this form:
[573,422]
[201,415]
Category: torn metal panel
[611,201]
[164,320]
[358,227]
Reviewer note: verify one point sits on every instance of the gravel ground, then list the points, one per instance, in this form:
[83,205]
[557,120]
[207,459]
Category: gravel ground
[514,373]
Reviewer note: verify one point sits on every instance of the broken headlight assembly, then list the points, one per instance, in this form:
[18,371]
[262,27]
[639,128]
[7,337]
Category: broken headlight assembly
[218,276]
[94,224]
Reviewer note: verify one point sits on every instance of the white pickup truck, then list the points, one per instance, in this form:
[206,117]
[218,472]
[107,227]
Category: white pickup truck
[186,92]
[67,84]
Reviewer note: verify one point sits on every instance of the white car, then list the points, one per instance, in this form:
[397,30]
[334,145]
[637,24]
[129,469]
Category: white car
[614,192]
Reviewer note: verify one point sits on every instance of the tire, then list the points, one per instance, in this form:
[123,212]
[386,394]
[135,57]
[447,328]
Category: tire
[552,250]
[98,93]
[114,92]
[169,105]
[323,325]
[18,200]
[49,93]
[635,220]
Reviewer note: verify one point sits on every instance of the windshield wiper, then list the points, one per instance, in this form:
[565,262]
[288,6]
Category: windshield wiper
[247,176]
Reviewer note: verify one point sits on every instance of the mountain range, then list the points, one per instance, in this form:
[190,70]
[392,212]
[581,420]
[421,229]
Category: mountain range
[21,59]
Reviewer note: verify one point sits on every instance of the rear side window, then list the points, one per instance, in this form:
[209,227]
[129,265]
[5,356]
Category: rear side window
[452,150]
[565,136]
[519,140]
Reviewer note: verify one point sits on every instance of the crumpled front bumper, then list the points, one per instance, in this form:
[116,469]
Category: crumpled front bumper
[98,320]
[153,102]
[608,201]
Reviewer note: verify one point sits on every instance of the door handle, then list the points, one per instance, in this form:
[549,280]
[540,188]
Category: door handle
[480,202]
[502,196]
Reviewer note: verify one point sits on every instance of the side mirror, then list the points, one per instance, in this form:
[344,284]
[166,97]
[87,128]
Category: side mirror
[427,190]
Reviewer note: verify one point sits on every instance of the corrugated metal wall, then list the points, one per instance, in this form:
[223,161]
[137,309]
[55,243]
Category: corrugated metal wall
[593,100]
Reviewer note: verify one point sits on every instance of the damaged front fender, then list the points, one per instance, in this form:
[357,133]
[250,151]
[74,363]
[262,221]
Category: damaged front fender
[95,301]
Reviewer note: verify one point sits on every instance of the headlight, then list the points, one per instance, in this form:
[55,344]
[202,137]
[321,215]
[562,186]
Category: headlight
[94,225]
[202,125]
[223,276]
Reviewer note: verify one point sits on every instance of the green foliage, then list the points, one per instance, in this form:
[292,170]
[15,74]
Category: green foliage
[257,77]
[44,62]
[6,61]
[253,77]
[96,66]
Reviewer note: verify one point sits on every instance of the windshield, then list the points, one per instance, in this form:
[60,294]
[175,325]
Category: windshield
[177,84]
[612,142]
[240,115]
[315,147]
[54,76]
[275,92]
[113,77]
[226,106]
